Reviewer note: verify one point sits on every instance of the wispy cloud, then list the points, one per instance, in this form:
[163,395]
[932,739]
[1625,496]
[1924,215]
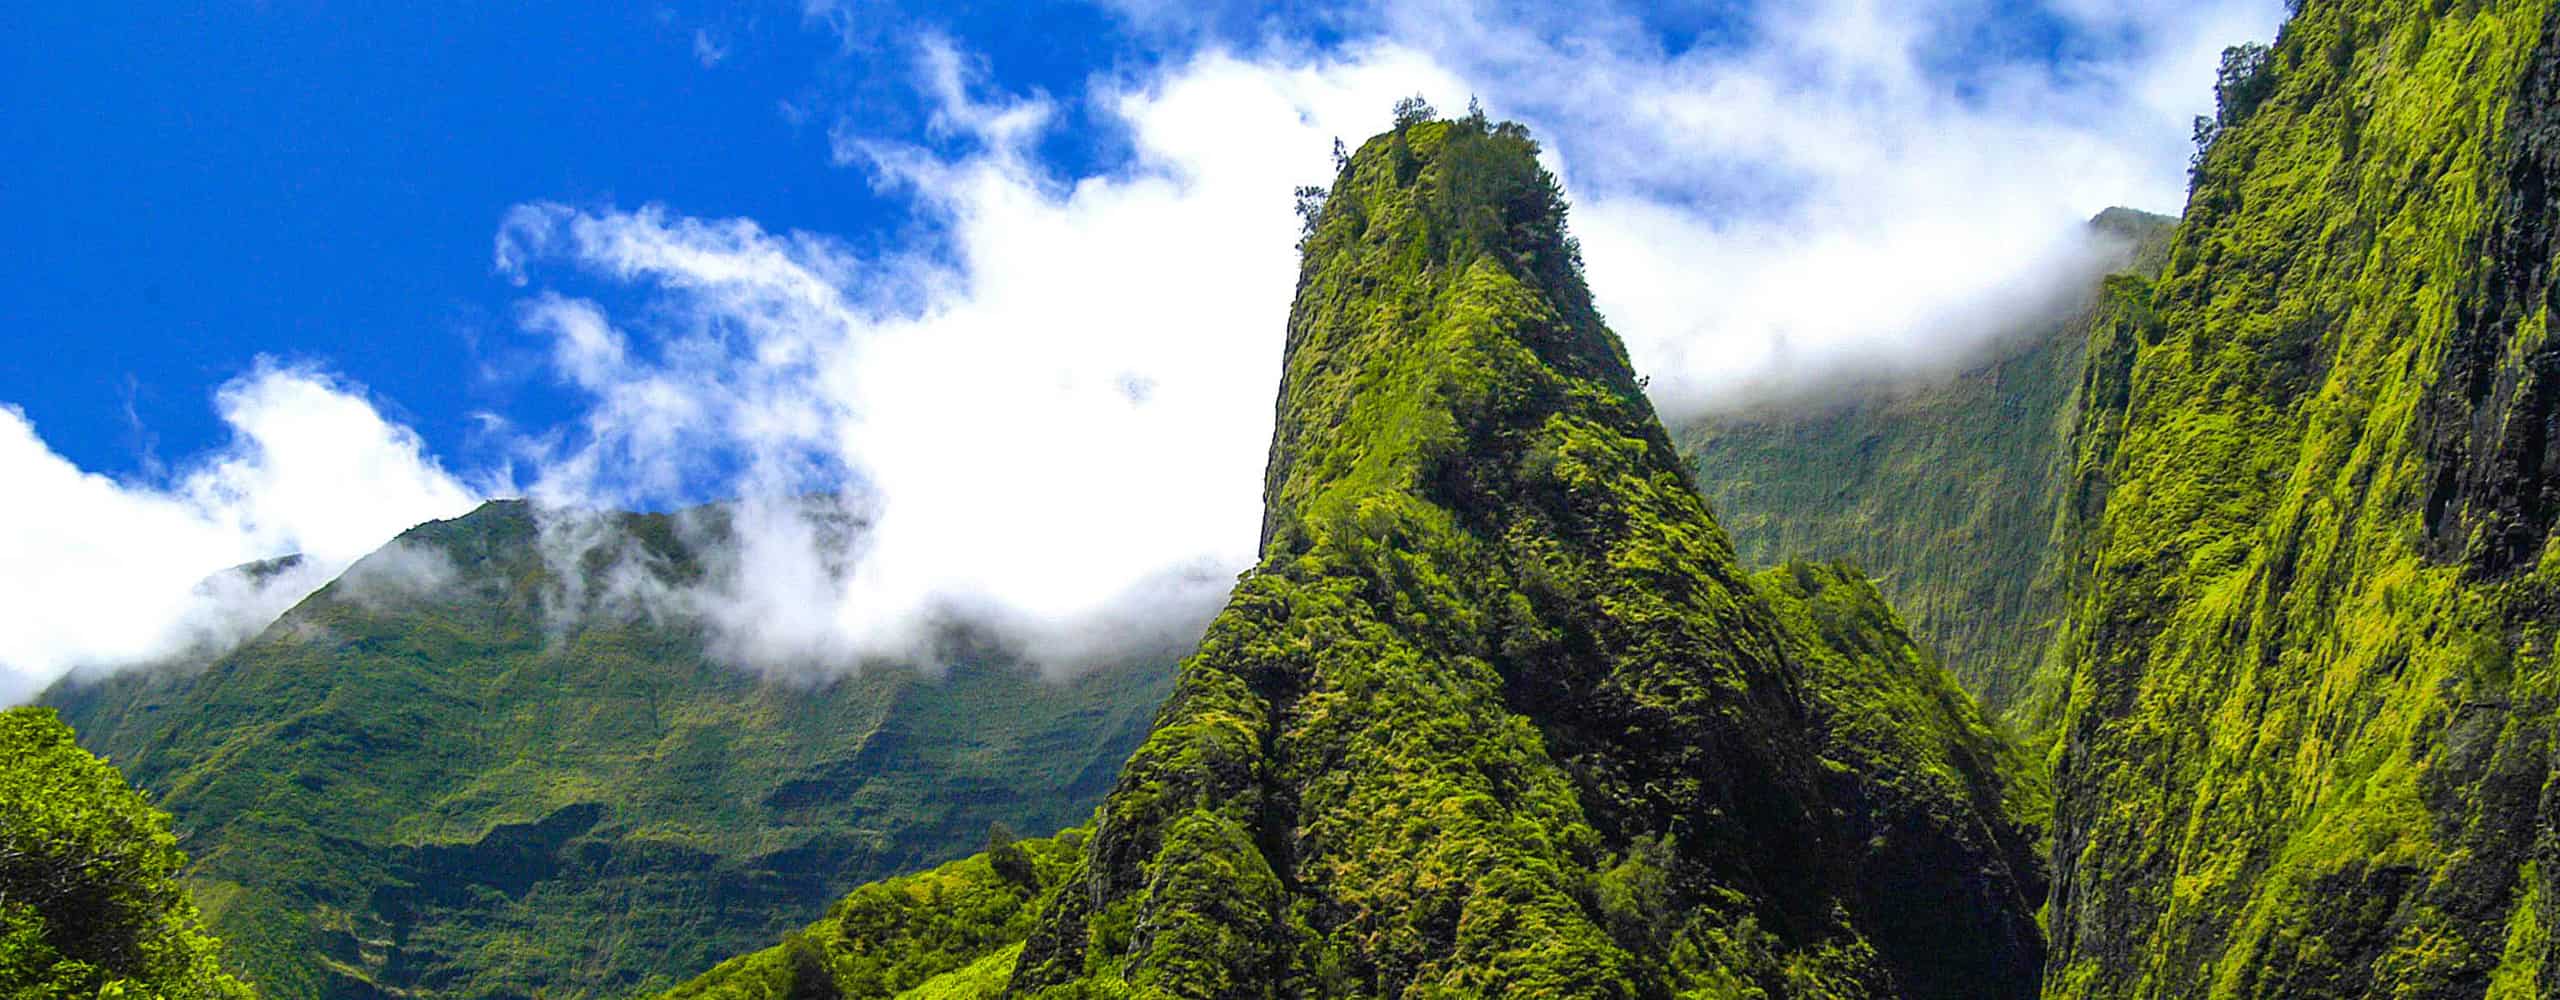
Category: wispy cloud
[706,50]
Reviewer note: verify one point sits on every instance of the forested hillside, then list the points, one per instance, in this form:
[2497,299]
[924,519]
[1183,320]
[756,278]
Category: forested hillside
[456,788]
[953,932]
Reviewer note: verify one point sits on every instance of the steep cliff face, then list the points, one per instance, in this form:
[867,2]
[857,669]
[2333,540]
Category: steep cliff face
[1944,485]
[455,789]
[2308,741]
[1498,713]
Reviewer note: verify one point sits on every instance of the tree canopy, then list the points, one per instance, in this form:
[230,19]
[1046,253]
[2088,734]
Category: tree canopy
[89,900]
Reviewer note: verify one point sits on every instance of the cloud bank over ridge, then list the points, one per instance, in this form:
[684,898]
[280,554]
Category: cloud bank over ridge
[1047,410]
[107,573]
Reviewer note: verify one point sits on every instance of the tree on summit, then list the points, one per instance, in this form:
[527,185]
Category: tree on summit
[1411,111]
[1010,861]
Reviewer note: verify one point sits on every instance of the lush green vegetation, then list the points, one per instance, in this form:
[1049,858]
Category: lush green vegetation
[90,904]
[460,793]
[1914,765]
[2259,537]
[1499,714]
[1945,485]
[2308,746]
[950,933]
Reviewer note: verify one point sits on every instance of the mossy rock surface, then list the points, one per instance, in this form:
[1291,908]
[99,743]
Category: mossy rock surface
[2307,743]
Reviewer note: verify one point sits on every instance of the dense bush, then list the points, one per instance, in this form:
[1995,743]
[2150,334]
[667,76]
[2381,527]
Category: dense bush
[90,904]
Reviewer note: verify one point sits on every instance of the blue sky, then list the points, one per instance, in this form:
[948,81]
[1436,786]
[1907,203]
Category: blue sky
[507,246]
[199,184]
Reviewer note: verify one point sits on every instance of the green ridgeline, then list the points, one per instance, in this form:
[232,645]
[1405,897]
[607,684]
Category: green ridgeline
[2308,741]
[90,903]
[952,932]
[1499,714]
[462,795]
[1946,485]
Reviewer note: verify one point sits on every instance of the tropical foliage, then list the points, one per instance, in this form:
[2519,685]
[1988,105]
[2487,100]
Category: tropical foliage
[90,904]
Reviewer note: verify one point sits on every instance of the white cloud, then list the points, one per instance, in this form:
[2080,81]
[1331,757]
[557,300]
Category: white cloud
[1849,188]
[1049,414]
[1063,401]
[107,573]
[1057,430]
[397,574]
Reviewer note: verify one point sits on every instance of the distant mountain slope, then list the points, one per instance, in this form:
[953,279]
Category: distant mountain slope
[445,789]
[90,904]
[2308,751]
[1945,486]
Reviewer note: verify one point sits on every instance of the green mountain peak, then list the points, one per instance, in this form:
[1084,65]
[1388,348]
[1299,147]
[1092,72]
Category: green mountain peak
[1498,711]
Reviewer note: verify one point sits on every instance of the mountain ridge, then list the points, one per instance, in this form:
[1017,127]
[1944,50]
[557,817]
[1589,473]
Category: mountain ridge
[452,788]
